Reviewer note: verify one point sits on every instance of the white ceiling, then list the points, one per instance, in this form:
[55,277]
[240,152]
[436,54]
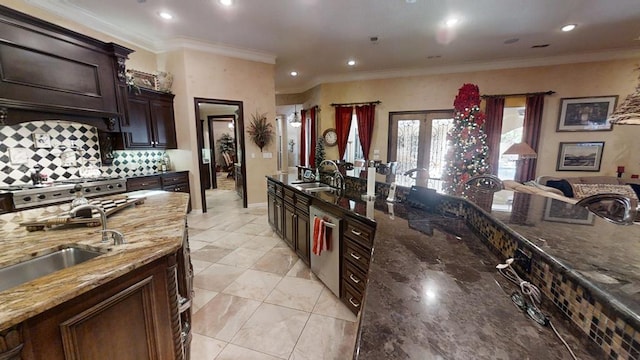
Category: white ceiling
[317,37]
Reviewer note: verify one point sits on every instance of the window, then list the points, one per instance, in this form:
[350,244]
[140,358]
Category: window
[512,128]
[353,150]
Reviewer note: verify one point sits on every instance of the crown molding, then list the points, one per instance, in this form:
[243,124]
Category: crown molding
[219,49]
[466,67]
[69,11]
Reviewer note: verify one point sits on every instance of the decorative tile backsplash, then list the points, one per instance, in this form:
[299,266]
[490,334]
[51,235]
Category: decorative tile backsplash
[62,149]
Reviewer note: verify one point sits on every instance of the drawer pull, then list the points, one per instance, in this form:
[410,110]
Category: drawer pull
[357,257]
[355,304]
[354,279]
[356,232]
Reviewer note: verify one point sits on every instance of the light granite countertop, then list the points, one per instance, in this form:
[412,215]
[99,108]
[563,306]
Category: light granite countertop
[152,230]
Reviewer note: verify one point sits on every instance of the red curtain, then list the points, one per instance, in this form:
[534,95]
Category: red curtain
[343,125]
[303,139]
[365,115]
[313,137]
[493,129]
[526,169]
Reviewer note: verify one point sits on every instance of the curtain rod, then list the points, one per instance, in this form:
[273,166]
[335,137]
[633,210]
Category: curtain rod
[358,103]
[550,92]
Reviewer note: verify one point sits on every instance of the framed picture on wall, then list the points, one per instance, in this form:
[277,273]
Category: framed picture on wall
[580,156]
[586,113]
[560,211]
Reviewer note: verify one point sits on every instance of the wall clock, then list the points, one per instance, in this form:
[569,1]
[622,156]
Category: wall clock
[330,137]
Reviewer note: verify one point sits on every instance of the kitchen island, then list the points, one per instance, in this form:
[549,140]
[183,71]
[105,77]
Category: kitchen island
[433,291]
[140,288]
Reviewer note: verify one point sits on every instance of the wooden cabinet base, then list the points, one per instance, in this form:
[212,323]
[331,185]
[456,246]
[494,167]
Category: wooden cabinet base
[128,318]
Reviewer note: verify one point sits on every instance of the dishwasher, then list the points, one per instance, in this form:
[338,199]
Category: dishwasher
[327,265]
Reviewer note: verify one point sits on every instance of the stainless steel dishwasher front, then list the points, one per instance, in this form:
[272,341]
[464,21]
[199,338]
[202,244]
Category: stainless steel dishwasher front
[326,265]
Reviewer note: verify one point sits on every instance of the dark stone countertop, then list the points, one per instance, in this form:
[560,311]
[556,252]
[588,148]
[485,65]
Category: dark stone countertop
[434,293]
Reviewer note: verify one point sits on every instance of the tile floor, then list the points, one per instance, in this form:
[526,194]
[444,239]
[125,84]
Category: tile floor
[254,299]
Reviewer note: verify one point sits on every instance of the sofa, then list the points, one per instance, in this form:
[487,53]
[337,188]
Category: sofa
[583,186]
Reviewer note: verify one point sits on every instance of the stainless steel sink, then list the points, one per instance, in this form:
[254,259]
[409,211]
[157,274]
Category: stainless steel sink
[312,187]
[23,272]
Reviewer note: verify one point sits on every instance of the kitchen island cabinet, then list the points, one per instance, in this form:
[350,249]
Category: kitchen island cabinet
[132,302]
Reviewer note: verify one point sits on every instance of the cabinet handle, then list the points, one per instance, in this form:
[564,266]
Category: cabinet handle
[354,279]
[356,232]
[357,257]
[355,304]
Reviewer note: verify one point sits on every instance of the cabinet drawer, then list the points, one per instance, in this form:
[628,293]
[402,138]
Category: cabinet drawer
[356,254]
[271,187]
[6,203]
[177,188]
[353,276]
[359,232]
[172,179]
[351,297]
[302,202]
[288,195]
[144,183]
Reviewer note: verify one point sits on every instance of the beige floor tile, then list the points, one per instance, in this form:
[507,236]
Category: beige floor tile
[255,229]
[217,277]
[199,265]
[223,316]
[329,305]
[205,348]
[197,245]
[325,338]
[272,329]
[263,243]
[232,225]
[277,260]
[301,270]
[200,298]
[235,352]
[210,253]
[210,235]
[242,257]
[194,232]
[233,241]
[295,293]
[253,284]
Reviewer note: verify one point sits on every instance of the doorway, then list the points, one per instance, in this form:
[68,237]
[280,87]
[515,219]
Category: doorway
[216,118]
[418,140]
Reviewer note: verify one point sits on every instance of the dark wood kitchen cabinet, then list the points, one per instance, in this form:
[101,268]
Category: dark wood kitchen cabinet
[357,242]
[137,316]
[171,181]
[47,69]
[274,206]
[296,223]
[149,121]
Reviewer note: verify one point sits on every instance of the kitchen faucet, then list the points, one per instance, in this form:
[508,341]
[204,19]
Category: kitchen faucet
[118,237]
[337,179]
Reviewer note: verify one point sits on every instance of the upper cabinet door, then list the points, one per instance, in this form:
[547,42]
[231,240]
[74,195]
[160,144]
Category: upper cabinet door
[164,124]
[149,121]
[139,130]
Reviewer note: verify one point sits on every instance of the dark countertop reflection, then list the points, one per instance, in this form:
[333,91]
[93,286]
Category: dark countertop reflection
[604,254]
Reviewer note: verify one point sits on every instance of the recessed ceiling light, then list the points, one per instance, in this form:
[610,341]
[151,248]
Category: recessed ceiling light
[226,2]
[411,1]
[351,62]
[165,15]
[451,22]
[511,41]
[294,73]
[568,27]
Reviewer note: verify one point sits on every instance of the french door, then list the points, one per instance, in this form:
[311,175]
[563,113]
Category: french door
[418,140]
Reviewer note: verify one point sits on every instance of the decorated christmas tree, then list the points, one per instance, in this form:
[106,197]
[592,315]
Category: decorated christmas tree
[467,154]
